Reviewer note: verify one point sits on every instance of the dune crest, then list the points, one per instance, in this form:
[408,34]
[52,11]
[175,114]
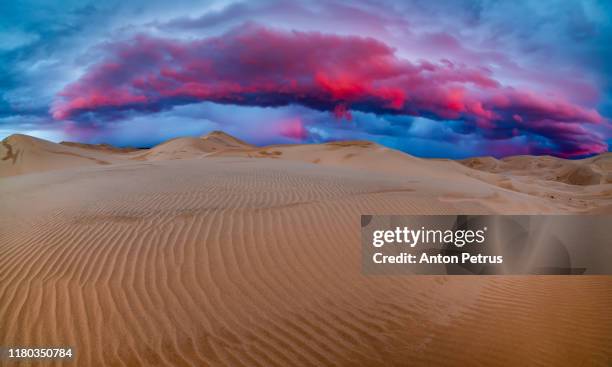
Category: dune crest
[223,139]
[103,147]
[22,154]
[187,147]
[591,171]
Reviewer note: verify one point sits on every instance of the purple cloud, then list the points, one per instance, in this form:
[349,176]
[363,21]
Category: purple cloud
[256,66]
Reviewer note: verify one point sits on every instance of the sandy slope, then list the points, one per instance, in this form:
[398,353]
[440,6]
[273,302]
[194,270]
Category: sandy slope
[22,154]
[240,259]
[187,147]
[591,171]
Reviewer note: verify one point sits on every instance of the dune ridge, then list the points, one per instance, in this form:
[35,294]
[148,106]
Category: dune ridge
[188,147]
[22,154]
[590,171]
[234,257]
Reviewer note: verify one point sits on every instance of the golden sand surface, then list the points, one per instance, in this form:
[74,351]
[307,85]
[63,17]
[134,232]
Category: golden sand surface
[212,252]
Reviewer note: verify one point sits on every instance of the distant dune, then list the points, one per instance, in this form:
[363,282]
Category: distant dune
[181,148]
[210,251]
[103,147]
[591,171]
[520,183]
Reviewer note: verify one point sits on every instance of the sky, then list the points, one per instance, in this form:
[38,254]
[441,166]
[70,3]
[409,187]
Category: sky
[444,79]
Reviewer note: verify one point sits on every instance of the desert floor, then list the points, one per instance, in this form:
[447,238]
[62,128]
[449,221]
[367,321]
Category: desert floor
[209,251]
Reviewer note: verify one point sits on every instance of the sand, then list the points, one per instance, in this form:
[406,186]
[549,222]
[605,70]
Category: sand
[184,255]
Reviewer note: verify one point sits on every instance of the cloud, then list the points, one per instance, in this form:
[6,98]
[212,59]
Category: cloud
[293,128]
[256,66]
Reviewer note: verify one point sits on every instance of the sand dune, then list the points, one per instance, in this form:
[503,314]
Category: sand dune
[100,147]
[244,256]
[591,171]
[21,154]
[352,154]
[181,148]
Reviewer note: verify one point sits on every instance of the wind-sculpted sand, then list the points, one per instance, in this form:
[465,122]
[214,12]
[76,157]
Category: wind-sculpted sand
[246,256]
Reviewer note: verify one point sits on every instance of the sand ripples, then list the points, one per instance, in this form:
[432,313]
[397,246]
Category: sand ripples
[239,263]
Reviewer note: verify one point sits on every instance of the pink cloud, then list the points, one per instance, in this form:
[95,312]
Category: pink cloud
[257,66]
[292,128]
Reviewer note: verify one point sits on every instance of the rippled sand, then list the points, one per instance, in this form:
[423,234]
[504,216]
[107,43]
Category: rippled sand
[251,256]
